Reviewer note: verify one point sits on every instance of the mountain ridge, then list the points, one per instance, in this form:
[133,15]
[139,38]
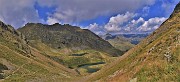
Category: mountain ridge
[66,36]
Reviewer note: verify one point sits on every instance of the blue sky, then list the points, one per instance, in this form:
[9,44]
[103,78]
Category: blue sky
[99,16]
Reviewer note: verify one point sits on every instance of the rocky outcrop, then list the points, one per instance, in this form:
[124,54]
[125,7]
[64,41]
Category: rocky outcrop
[9,35]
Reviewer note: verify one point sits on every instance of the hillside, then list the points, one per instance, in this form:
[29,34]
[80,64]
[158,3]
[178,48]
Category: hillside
[67,37]
[155,59]
[20,62]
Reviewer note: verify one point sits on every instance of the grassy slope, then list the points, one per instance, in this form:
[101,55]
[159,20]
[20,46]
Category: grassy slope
[26,63]
[90,58]
[39,62]
[147,61]
[36,67]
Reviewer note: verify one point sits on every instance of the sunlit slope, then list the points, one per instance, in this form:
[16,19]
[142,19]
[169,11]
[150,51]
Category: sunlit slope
[155,59]
[19,62]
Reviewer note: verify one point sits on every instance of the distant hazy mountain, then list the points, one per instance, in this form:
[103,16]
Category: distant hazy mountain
[133,38]
[155,59]
[124,42]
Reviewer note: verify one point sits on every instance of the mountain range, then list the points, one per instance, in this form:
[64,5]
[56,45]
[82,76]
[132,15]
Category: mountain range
[51,52]
[64,53]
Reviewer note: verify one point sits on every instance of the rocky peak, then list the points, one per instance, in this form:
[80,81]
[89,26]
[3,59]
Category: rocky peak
[177,8]
[1,23]
[4,27]
[9,34]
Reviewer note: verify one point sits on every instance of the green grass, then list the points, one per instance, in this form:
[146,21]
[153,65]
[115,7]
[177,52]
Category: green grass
[73,59]
[24,67]
[150,67]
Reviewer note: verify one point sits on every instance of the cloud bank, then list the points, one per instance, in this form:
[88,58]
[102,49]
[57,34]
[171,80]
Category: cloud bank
[124,15]
[69,11]
[125,23]
[19,12]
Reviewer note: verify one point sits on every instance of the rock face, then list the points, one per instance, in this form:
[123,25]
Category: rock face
[65,36]
[2,68]
[176,10]
[156,58]
[11,36]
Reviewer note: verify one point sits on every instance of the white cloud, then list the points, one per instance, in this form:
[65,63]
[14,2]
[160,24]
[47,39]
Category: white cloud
[115,23]
[112,28]
[69,11]
[151,24]
[64,16]
[120,19]
[93,27]
[140,20]
[141,26]
[145,11]
[129,25]
[18,12]
[97,29]
[51,21]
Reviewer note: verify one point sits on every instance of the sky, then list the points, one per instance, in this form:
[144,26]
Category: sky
[99,16]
